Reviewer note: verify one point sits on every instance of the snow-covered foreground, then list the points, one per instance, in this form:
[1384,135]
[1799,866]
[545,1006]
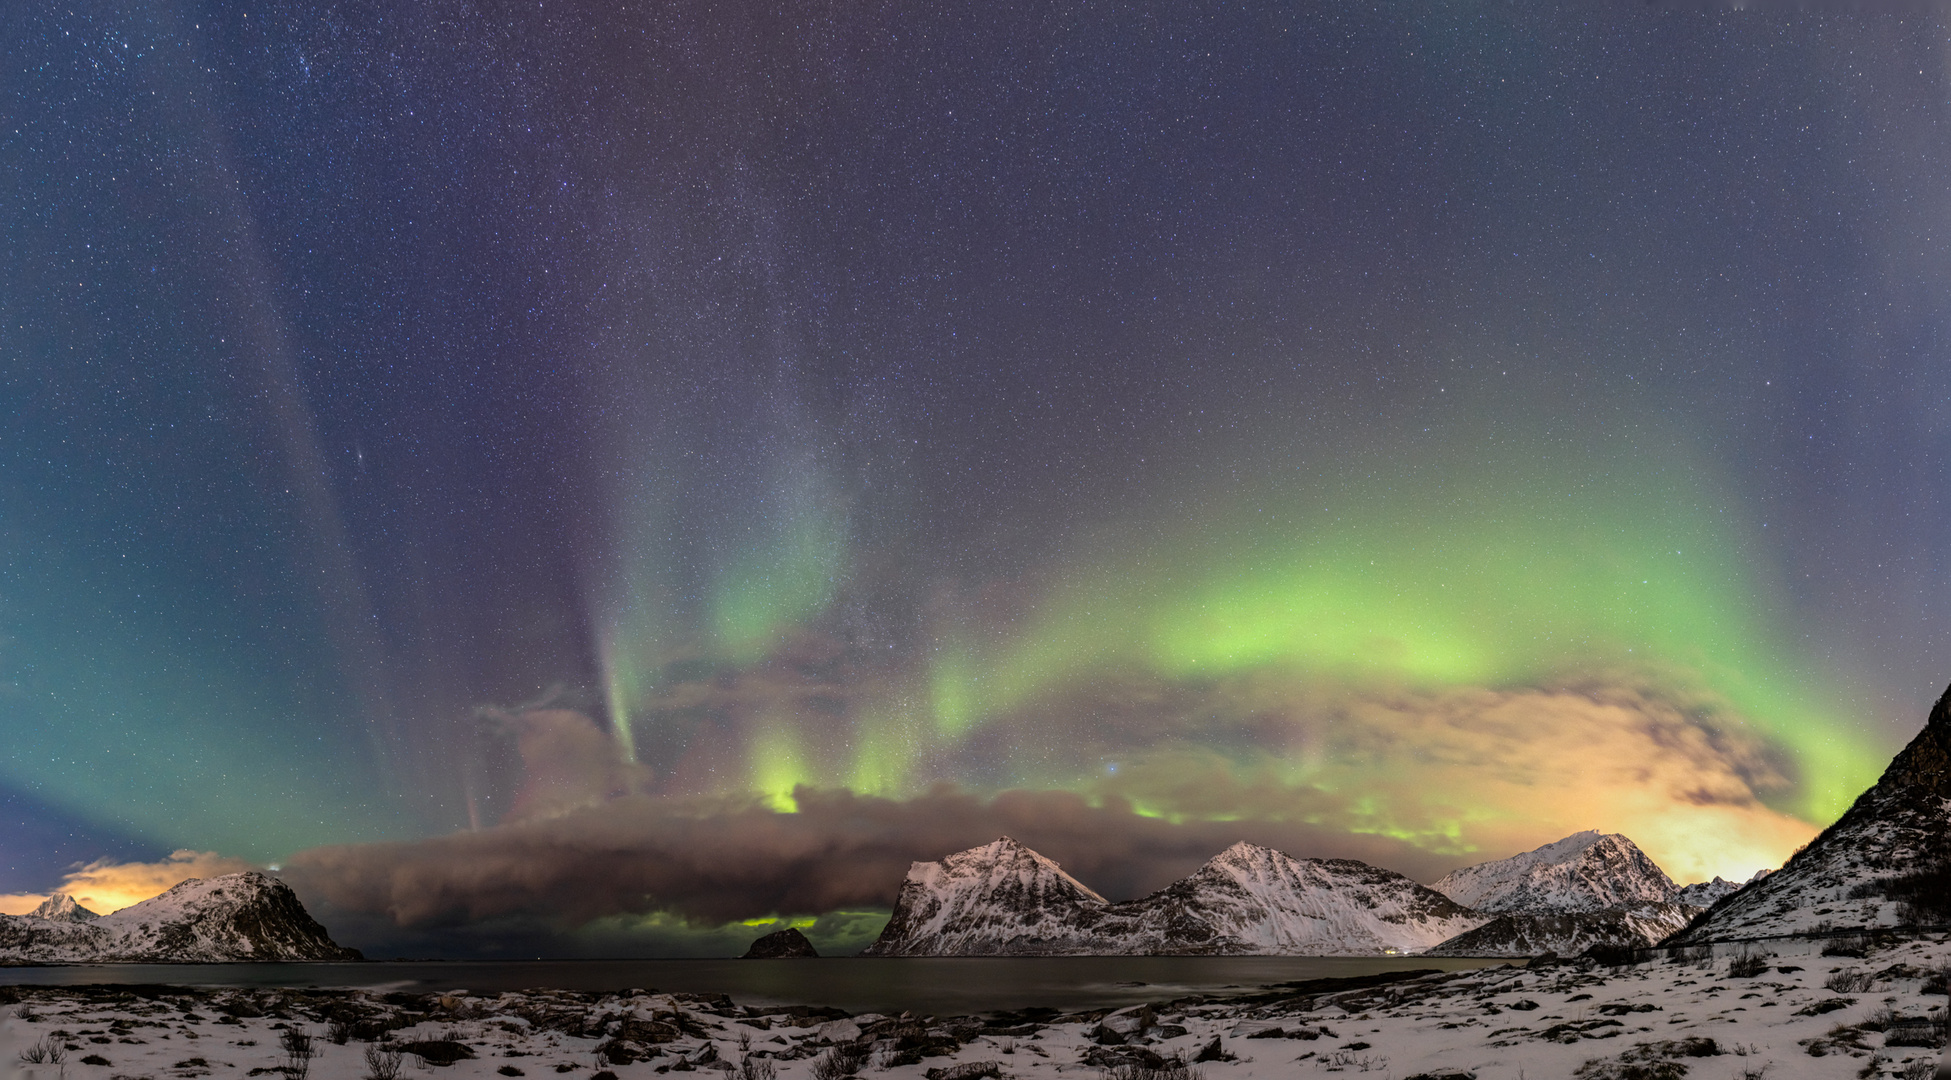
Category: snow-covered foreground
[1784,1011]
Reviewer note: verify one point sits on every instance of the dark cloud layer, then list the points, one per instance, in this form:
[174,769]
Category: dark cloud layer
[1417,781]
[716,863]
[592,861]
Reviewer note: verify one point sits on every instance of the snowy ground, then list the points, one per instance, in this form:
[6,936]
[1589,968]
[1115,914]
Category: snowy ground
[1788,1012]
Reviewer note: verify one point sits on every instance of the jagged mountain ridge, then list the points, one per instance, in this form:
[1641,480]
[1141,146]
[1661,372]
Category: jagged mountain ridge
[232,918]
[1002,899]
[1586,871]
[1901,825]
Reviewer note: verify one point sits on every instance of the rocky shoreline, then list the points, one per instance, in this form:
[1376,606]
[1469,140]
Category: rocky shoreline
[1864,1006]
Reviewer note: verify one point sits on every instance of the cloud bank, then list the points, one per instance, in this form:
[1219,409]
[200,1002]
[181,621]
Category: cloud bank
[103,886]
[721,863]
[1417,781]
[1160,777]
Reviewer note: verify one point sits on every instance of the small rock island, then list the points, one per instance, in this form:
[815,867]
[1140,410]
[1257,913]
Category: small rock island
[787,944]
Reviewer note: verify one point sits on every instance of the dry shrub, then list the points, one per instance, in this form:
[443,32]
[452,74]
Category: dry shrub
[1850,981]
[383,1062]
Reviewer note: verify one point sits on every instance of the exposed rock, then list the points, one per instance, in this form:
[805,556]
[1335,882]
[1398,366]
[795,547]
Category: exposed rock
[968,1070]
[436,1051]
[1213,1051]
[1569,933]
[781,945]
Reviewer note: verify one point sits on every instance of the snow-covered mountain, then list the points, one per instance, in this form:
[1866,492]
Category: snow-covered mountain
[1004,899]
[1570,933]
[1705,893]
[62,908]
[1000,899]
[236,917]
[1586,871]
[1885,862]
[1566,897]
[1256,900]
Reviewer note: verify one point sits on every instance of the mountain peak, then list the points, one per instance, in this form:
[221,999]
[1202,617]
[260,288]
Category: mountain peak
[1247,863]
[997,899]
[1586,871]
[1002,847]
[1004,855]
[62,908]
[1245,854]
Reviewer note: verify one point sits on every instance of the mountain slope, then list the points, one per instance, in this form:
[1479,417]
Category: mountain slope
[1886,862]
[1586,871]
[1003,899]
[1569,933]
[236,917]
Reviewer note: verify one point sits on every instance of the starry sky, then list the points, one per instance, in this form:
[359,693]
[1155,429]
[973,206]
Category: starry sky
[441,434]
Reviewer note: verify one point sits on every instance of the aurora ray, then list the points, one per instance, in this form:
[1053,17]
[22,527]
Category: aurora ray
[1325,422]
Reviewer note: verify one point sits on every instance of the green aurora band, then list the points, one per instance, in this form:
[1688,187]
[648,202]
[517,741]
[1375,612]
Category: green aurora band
[1522,574]
[1549,565]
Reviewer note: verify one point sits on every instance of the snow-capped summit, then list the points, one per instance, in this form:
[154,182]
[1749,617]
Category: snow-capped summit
[1004,899]
[997,899]
[1009,858]
[1884,863]
[1588,890]
[1586,871]
[62,908]
[236,917]
[1256,900]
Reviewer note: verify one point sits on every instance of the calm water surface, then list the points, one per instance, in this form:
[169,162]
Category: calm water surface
[943,987]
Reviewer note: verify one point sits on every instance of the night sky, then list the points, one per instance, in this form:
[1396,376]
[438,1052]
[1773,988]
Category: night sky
[441,436]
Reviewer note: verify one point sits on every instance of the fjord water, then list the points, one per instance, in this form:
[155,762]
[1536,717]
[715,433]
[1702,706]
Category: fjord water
[937,986]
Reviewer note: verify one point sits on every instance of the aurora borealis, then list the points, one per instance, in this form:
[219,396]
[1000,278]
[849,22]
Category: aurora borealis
[454,448]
